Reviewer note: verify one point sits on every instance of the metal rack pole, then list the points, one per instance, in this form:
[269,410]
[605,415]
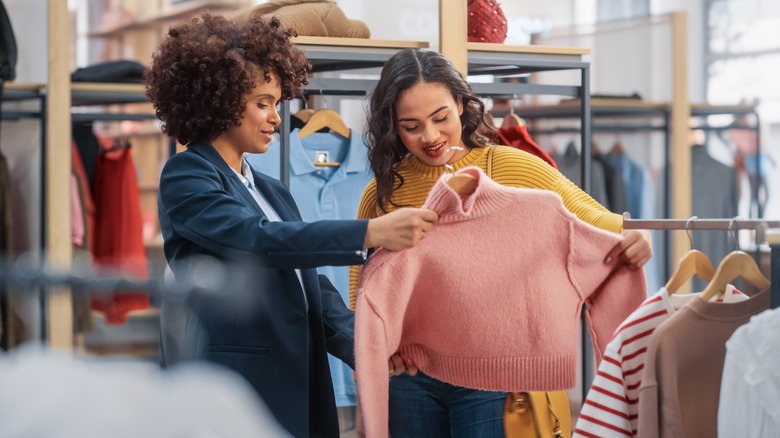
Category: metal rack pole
[773,237]
[699,224]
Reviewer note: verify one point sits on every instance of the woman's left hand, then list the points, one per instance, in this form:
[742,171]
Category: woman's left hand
[634,250]
[398,366]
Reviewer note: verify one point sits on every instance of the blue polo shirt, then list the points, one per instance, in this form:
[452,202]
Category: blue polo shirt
[325,193]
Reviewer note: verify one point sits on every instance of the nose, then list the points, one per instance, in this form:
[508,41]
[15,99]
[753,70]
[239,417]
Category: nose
[429,134]
[274,118]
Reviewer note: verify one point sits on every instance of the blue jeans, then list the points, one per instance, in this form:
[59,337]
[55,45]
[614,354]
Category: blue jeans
[422,406]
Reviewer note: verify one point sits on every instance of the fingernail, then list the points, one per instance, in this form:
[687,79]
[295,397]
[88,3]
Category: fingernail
[608,260]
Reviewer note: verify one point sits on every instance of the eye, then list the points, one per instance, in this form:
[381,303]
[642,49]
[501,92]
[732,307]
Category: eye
[440,120]
[262,105]
[409,128]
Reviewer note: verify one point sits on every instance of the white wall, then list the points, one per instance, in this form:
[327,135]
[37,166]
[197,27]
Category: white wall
[695,11]
[20,141]
[418,20]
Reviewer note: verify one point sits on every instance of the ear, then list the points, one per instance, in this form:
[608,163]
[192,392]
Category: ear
[460,105]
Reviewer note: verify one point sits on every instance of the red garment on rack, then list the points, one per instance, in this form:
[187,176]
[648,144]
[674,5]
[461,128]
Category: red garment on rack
[518,138]
[85,195]
[119,245]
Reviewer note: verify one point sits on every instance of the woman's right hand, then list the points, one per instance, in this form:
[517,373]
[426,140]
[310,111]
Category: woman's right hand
[401,229]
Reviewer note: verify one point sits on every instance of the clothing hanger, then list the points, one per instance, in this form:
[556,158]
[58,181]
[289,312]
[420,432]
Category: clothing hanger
[511,120]
[595,147]
[693,263]
[736,264]
[325,118]
[463,184]
[617,148]
[304,114]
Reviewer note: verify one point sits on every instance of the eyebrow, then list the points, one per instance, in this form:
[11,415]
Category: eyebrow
[266,96]
[429,115]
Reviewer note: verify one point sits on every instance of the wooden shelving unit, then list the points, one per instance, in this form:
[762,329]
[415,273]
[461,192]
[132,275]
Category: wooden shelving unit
[171,13]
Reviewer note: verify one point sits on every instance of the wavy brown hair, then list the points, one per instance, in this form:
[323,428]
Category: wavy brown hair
[202,70]
[402,71]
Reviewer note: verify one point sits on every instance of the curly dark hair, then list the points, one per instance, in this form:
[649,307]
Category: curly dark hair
[402,71]
[202,70]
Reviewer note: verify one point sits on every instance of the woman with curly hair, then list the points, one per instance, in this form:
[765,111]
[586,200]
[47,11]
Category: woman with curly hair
[216,86]
[425,120]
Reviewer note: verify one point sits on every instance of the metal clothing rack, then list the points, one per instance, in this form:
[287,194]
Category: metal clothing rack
[773,238]
[336,55]
[333,54]
[767,231]
[16,92]
[738,111]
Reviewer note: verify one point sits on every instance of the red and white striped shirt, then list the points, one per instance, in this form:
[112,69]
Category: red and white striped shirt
[611,407]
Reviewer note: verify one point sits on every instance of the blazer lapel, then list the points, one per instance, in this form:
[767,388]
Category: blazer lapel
[207,151]
[282,207]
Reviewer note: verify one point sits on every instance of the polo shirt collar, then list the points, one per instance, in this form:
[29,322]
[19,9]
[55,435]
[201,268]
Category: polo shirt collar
[356,159]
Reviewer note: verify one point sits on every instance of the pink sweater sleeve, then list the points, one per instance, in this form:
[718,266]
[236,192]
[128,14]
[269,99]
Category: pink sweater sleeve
[612,291]
[373,380]
[382,297]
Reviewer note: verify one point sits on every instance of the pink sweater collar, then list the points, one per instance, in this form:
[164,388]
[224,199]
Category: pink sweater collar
[488,197]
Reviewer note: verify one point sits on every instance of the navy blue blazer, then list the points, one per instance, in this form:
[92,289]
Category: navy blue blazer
[276,345]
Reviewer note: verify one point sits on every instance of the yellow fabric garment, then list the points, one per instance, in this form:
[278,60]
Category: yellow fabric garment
[511,167]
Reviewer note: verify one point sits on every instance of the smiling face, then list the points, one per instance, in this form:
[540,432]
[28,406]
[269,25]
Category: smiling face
[428,121]
[258,121]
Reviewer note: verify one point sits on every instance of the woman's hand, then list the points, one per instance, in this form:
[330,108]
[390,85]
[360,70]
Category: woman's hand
[398,366]
[401,229]
[634,250]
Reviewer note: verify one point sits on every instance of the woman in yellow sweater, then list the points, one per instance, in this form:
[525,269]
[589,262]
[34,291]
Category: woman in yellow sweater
[423,121]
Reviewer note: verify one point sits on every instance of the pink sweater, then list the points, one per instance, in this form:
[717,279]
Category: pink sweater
[491,298]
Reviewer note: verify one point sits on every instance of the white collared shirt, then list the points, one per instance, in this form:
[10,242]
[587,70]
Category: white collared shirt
[248,180]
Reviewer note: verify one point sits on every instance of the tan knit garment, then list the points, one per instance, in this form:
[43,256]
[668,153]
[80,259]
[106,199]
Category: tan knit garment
[309,17]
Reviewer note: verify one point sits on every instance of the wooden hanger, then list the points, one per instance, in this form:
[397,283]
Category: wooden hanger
[737,264]
[693,263]
[325,118]
[617,148]
[511,120]
[463,184]
[304,114]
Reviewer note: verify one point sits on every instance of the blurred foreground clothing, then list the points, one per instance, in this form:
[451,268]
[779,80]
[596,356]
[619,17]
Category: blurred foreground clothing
[86,397]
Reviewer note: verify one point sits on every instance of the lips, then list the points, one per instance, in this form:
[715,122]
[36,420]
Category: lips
[435,149]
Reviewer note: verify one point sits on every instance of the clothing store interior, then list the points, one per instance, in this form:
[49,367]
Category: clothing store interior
[273,272]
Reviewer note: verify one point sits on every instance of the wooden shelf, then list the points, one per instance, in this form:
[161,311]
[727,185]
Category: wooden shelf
[501,59]
[13,91]
[705,109]
[773,236]
[359,42]
[171,13]
[599,106]
[533,49]
[23,86]
[99,93]
[343,54]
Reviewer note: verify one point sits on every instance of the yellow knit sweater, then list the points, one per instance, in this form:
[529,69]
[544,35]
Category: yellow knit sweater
[510,167]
